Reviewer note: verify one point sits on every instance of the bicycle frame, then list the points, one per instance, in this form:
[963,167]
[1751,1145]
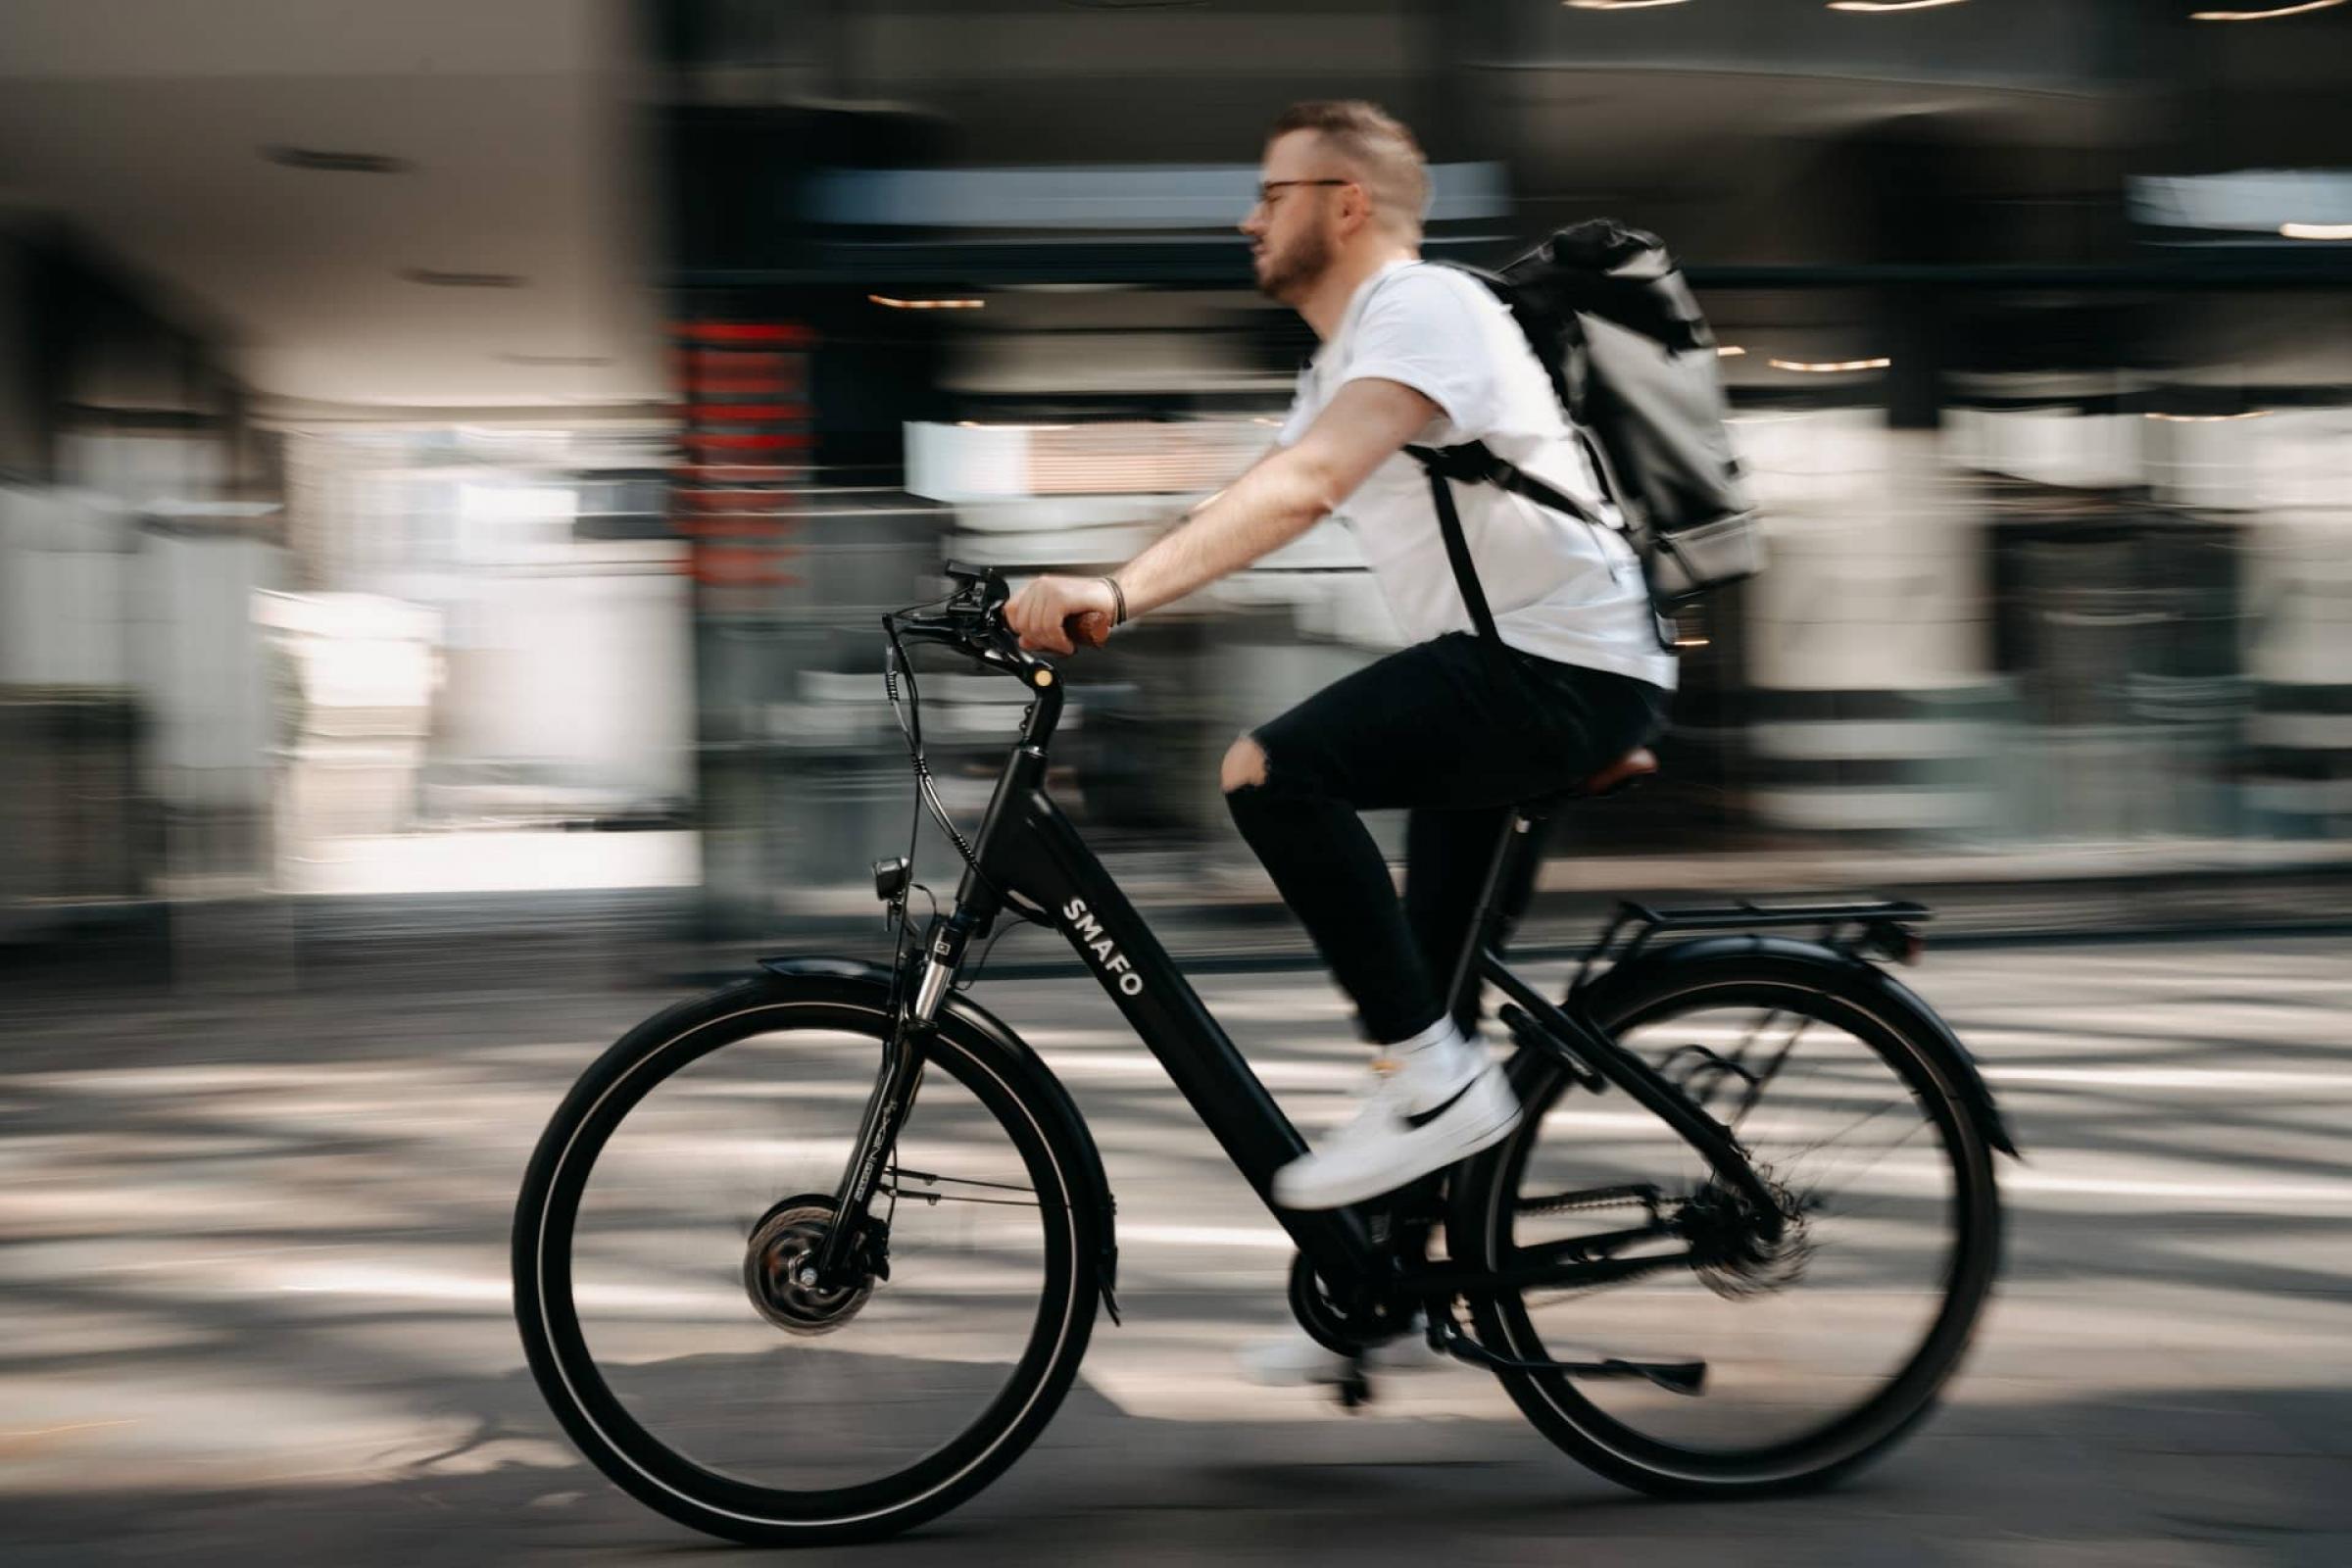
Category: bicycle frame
[1028,853]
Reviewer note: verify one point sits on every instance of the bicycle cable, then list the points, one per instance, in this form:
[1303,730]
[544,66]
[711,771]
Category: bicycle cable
[909,717]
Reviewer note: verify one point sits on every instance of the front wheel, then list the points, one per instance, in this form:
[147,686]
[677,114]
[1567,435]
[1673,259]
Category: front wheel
[1821,1349]
[662,1232]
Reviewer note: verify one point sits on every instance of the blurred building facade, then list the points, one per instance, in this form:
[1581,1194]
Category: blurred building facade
[135,523]
[646,350]
[2051,435]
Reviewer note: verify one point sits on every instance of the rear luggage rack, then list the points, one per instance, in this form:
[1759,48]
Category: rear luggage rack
[1881,926]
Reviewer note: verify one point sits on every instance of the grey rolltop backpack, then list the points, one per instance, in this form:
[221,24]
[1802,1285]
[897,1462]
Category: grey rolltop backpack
[1615,325]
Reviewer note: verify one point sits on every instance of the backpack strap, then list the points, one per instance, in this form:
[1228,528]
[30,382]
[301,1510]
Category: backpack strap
[1432,461]
[1473,462]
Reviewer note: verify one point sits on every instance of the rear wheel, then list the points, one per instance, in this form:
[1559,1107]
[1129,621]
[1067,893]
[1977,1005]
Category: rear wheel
[1821,1349]
[658,1246]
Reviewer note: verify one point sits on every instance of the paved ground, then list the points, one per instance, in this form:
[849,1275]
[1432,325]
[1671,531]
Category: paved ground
[253,1305]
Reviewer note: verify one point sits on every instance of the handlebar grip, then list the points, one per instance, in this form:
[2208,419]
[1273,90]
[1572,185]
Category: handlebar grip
[1092,629]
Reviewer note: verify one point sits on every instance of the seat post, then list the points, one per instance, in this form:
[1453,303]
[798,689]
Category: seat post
[1486,925]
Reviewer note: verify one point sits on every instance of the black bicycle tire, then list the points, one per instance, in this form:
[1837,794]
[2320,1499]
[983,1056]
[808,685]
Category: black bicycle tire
[672,1483]
[1587,1434]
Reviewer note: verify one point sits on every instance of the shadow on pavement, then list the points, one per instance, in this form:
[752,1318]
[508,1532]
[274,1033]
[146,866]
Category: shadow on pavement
[2201,1476]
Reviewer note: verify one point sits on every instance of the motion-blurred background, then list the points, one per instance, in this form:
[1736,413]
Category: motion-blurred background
[452,456]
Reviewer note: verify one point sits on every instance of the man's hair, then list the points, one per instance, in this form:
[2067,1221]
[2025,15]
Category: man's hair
[1378,148]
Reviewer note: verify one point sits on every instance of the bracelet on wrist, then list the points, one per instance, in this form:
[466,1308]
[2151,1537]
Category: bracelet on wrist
[1118,598]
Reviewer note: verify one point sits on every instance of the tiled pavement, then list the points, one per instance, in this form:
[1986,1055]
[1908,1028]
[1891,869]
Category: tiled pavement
[253,1305]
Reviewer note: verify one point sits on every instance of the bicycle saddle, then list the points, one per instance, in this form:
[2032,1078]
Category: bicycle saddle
[1622,774]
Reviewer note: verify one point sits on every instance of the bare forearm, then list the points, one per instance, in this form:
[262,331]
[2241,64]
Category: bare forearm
[1279,499]
[1262,511]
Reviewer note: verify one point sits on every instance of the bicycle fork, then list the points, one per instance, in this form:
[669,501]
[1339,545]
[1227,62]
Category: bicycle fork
[891,1103]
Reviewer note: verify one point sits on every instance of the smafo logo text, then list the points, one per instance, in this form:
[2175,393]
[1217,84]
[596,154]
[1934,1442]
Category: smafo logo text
[1105,952]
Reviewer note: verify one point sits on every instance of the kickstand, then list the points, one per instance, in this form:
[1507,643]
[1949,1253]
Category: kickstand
[1686,1378]
[1354,1386]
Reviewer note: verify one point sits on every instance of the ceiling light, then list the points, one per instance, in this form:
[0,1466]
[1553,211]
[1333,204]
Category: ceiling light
[1729,351]
[2209,419]
[330,163]
[2263,15]
[1826,366]
[431,278]
[1617,5]
[2316,230]
[926,305]
[1872,7]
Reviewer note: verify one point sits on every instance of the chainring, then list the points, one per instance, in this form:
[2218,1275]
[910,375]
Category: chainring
[1334,1327]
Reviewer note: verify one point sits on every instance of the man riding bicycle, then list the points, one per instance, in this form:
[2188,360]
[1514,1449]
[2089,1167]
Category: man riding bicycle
[1412,355]
[1724,1175]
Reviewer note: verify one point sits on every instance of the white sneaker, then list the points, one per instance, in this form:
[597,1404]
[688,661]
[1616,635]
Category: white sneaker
[1295,1359]
[1400,1136]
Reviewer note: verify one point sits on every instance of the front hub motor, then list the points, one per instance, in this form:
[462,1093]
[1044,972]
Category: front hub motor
[780,1261]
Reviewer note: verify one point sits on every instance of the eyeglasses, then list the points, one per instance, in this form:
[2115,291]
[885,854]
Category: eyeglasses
[1266,191]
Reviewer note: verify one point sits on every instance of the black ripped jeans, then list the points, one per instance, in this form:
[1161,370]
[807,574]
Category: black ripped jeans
[1454,732]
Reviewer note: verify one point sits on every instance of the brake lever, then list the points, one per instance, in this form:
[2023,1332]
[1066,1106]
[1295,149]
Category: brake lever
[986,584]
[996,643]
[977,632]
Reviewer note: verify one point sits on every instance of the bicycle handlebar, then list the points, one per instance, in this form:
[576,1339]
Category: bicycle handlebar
[973,623]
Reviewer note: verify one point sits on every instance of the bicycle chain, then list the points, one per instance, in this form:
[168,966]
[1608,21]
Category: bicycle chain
[1555,1293]
[1575,1205]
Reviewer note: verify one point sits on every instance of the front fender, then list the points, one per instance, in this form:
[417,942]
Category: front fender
[1037,1082]
[1841,972]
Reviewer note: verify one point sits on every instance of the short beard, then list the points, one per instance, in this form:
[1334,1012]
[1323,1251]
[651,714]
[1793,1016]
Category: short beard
[1291,274]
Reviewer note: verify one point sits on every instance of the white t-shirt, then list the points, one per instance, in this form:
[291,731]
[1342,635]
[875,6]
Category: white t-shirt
[1559,588]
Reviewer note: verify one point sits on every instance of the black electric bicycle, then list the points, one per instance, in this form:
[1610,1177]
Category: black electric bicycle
[815,1258]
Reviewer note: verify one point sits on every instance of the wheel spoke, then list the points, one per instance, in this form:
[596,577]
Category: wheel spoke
[1759,1082]
[894,1179]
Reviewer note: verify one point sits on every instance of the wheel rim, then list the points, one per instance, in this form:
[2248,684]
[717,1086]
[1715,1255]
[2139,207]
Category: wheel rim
[649,1242]
[1816,1349]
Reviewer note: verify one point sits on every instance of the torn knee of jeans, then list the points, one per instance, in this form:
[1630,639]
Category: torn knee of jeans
[1245,766]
